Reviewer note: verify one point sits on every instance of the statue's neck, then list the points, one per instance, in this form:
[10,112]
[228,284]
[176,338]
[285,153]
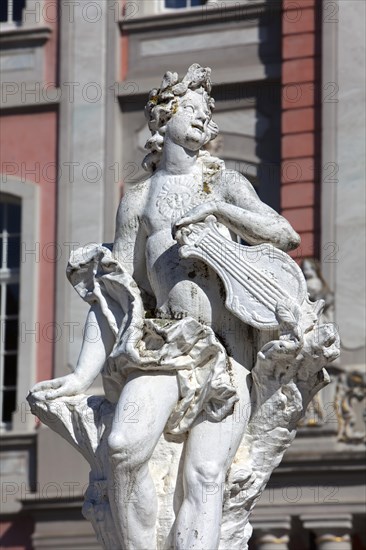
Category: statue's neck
[177,160]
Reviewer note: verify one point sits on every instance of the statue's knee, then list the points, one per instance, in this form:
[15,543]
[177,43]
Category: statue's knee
[116,445]
[211,471]
[126,454]
[205,479]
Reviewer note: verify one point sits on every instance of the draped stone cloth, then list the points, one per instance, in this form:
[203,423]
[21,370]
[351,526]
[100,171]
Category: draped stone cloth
[183,347]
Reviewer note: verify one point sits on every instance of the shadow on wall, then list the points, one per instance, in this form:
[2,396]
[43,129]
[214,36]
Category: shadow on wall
[255,149]
[269,105]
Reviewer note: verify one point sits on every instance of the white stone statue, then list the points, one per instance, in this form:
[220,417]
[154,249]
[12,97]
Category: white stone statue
[318,288]
[209,350]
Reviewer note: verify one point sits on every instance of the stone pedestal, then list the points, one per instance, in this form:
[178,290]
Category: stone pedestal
[331,533]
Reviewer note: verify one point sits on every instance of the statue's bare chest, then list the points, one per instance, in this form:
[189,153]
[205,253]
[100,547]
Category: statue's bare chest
[170,198]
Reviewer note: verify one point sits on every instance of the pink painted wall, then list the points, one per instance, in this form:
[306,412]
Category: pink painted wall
[123,48]
[29,143]
[300,185]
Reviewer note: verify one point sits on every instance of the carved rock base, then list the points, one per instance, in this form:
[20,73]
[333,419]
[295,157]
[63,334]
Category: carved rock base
[287,374]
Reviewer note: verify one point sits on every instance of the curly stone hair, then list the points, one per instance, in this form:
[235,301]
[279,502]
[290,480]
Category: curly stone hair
[162,105]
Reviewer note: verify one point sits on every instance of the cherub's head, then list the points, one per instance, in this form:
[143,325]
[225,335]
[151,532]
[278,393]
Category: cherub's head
[183,108]
[311,269]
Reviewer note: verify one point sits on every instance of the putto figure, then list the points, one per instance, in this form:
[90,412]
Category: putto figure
[180,321]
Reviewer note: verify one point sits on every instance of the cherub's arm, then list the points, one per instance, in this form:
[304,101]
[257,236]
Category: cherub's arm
[237,205]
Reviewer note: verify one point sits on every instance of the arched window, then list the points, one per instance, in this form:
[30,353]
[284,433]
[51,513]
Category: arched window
[10,234]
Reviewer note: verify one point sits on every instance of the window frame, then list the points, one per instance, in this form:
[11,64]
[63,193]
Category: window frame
[9,275]
[11,23]
[28,193]
[29,21]
[164,9]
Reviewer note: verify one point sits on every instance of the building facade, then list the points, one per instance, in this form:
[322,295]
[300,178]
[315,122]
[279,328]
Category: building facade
[289,83]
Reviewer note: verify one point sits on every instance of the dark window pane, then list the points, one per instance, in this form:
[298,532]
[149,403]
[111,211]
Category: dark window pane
[1,252]
[12,299]
[8,405]
[3,10]
[13,221]
[175,3]
[13,252]
[11,335]
[198,2]
[18,7]
[2,214]
[10,370]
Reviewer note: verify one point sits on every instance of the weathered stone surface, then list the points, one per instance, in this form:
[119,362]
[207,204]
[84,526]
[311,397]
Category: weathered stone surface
[210,350]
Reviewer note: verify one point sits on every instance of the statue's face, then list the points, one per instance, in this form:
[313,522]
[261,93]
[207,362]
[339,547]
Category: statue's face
[188,127]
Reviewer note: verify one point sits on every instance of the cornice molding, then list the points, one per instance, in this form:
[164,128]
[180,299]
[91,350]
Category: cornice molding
[15,103]
[206,15]
[19,36]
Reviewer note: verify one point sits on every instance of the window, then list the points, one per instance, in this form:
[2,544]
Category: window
[178,4]
[19,276]
[10,230]
[19,215]
[11,11]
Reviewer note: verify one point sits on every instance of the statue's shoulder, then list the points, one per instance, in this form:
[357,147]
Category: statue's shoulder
[136,189]
[228,179]
[135,194]
[133,202]
[229,175]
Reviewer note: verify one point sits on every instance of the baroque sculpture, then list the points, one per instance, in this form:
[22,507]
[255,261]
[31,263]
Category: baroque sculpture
[210,350]
[318,289]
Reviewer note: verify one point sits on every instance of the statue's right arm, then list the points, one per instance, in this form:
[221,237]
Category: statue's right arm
[97,345]
[129,249]
[130,237]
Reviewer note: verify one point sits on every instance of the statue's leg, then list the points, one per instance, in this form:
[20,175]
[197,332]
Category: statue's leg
[210,450]
[146,402]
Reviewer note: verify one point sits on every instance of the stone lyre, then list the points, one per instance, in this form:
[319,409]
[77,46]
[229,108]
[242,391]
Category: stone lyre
[254,272]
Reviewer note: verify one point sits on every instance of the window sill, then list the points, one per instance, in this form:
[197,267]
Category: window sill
[11,35]
[200,15]
[15,438]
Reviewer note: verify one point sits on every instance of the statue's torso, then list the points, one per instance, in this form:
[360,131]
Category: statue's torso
[181,286]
